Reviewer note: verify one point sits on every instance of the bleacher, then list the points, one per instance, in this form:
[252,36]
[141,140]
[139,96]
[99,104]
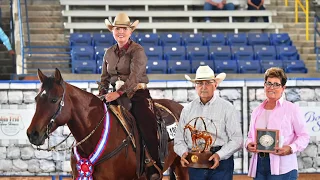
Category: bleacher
[176,53]
[151,15]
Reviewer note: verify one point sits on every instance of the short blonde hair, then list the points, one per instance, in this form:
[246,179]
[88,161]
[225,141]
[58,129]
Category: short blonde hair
[275,72]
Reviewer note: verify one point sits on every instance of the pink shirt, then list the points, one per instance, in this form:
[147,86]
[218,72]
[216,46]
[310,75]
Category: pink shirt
[288,119]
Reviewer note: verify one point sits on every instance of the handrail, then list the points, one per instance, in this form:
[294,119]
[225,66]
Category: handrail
[12,38]
[306,11]
[21,35]
[316,31]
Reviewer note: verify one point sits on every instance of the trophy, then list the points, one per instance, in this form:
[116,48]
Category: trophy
[202,141]
[267,140]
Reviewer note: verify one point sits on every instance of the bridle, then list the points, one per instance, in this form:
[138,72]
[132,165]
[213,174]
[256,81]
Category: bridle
[52,121]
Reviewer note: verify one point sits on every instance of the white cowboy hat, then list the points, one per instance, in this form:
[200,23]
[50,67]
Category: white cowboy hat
[121,20]
[206,73]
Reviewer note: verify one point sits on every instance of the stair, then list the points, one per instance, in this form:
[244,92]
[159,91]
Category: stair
[297,31]
[46,29]
[6,61]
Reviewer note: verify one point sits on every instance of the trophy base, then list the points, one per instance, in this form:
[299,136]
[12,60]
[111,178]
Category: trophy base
[199,160]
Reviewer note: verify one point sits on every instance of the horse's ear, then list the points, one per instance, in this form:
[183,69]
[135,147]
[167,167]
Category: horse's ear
[57,76]
[41,76]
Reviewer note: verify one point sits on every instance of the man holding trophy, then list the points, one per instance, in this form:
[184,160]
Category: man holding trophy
[209,130]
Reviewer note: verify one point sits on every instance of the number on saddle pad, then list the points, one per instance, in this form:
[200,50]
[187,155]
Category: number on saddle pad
[172,130]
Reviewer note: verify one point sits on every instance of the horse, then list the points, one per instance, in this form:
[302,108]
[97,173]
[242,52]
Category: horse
[59,103]
[196,134]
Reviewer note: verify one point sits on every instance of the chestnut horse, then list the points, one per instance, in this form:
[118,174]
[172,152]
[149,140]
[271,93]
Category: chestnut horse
[59,103]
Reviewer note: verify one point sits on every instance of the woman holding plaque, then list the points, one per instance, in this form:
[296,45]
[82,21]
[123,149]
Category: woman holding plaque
[276,119]
[124,67]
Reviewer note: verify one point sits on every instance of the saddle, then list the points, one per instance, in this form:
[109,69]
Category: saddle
[167,124]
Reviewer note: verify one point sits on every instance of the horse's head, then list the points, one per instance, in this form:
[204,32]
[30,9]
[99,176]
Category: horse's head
[51,111]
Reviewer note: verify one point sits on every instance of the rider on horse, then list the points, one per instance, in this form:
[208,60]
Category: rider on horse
[124,67]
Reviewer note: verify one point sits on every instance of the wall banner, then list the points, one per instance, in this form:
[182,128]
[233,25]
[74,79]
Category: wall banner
[14,123]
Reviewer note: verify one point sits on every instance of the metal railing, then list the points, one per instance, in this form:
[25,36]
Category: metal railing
[28,51]
[316,35]
[305,10]
[12,38]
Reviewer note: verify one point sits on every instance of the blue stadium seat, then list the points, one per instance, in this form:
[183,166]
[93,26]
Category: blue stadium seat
[243,52]
[84,67]
[197,53]
[148,39]
[133,37]
[174,53]
[103,39]
[170,39]
[190,39]
[154,52]
[226,66]
[220,53]
[80,39]
[99,66]
[214,39]
[250,66]
[82,53]
[288,53]
[179,67]
[270,63]
[99,52]
[265,52]
[239,39]
[258,39]
[294,66]
[196,63]
[157,67]
[280,39]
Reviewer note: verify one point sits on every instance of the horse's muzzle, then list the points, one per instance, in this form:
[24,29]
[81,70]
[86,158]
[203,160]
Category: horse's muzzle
[35,138]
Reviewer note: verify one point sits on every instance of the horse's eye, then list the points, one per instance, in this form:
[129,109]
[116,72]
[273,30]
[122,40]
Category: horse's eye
[53,100]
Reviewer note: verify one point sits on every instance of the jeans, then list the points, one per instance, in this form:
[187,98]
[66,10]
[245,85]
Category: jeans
[223,172]
[253,19]
[208,7]
[264,172]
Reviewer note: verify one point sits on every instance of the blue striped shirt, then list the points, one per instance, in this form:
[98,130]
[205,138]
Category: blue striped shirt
[4,38]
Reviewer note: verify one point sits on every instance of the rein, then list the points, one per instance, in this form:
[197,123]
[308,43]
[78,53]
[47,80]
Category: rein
[50,125]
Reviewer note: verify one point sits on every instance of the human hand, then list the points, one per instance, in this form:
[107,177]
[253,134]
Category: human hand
[220,5]
[258,7]
[285,150]
[111,96]
[11,52]
[252,147]
[183,159]
[216,159]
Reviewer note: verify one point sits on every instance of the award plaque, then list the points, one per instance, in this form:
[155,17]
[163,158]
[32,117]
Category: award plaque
[267,140]
[202,140]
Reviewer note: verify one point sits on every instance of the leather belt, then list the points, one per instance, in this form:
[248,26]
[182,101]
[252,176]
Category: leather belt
[215,149]
[263,155]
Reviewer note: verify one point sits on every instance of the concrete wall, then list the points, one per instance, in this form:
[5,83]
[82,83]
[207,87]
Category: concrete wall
[19,157]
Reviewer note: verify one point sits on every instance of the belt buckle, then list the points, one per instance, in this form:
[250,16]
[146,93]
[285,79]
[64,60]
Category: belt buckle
[262,156]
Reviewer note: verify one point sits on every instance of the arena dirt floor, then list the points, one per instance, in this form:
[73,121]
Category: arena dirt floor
[236,177]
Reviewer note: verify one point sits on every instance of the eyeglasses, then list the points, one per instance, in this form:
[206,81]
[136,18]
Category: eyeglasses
[274,85]
[123,28]
[204,83]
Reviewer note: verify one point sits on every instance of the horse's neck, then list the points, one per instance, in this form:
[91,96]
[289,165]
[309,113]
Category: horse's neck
[86,113]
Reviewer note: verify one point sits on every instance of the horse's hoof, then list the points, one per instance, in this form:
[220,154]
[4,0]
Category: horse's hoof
[155,176]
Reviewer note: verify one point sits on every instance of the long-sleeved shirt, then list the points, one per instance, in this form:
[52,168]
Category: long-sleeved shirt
[223,119]
[288,119]
[129,67]
[4,38]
